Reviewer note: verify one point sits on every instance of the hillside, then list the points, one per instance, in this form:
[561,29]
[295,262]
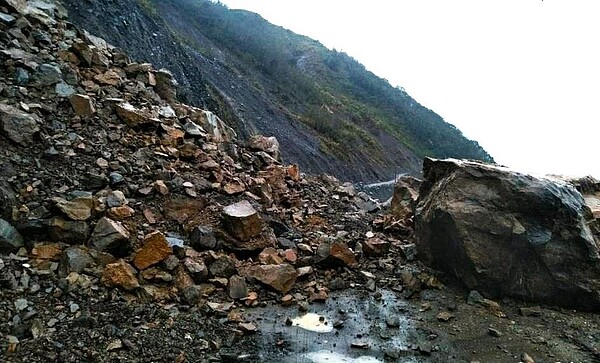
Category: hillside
[332,114]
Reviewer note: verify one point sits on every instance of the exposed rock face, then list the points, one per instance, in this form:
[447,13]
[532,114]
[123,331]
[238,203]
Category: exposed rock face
[505,233]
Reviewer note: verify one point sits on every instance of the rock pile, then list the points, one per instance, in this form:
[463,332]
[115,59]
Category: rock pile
[108,179]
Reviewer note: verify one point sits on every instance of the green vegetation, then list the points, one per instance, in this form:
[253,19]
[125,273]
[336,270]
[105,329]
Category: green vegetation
[327,90]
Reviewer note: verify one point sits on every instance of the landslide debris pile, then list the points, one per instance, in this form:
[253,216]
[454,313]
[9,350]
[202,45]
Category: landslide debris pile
[112,191]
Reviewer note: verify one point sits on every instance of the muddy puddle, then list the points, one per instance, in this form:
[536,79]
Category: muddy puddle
[351,327]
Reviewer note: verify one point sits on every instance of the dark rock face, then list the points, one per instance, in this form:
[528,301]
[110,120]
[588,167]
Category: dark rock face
[509,234]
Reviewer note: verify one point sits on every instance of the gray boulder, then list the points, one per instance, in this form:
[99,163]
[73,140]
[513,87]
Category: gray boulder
[18,126]
[509,234]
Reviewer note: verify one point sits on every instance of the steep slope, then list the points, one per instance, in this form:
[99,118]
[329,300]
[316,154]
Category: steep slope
[332,114]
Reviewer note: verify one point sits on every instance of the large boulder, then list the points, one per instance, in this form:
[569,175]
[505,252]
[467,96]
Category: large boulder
[509,234]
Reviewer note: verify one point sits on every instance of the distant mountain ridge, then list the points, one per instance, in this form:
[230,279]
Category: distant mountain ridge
[329,113]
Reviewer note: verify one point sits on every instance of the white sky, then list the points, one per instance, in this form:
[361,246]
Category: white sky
[521,77]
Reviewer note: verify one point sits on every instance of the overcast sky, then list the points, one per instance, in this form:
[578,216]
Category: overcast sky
[521,77]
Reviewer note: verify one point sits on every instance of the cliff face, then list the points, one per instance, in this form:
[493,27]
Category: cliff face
[329,113]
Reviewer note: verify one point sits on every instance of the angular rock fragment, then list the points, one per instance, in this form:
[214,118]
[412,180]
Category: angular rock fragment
[78,209]
[270,145]
[237,287]
[111,236]
[10,239]
[337,254]
[203,238]
[131,115]
[242,220]
[73,232]
[155,249]
[279,277]
[375,247]
[18,126]
[120,274]
[82,105]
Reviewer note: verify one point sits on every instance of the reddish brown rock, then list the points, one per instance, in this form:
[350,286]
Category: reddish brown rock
[234,188]
[108,78]
[336,253]
[242,221]
[270,256]
[161,187]
[120,274]
[47,251]
[279,277]
[131,115]
[82,105]
[293,172]
[404,199]
[122,212]
[375,247]
[154,250]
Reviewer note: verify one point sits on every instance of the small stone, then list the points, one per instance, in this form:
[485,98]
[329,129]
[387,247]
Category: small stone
[203,238]
[73,307]
[21,304]
[103,163]
[279,277]
[120,274]
[494,332]
[111,236]
[122,212]
[155,249]
[360,344]
[18,126]
[131,115]
[444,316]
[78,209]
[525,358]
[108,78]
[375,247]
[393,321]
[248,327]
[234,188]
[115,199]
[191,295]
[287,300]
[48,74]
[161,187]
[114,345]
[237,287]
[64,90]
[82,105]
[10,239]
[222,267]
[530,311]
[197,269]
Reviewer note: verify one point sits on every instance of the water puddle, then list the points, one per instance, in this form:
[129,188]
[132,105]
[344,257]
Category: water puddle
[313,322]
[330,357]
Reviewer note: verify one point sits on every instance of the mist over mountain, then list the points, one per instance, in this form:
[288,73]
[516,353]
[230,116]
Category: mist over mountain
[327,110]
